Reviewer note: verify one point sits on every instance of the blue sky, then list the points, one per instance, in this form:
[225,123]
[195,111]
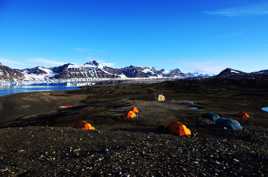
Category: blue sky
[193,35]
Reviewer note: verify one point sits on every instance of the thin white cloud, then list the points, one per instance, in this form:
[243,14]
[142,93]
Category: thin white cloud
[208,68]
[248,10]
[12,63]
[203,66]
[44,62]
[32,62]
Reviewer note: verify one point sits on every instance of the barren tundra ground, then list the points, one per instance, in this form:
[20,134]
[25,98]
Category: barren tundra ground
[38,140]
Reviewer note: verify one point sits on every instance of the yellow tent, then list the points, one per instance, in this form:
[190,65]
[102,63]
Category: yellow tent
[161,98]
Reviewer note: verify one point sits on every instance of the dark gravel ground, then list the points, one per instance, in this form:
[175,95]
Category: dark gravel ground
[37,140]
[48,151]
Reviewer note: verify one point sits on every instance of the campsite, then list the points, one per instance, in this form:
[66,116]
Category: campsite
[91,132]
[133,88]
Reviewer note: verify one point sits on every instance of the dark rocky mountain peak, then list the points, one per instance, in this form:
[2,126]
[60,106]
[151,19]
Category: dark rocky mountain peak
[93,62]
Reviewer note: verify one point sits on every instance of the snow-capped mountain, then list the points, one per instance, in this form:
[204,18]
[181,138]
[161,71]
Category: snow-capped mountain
[133,71]
[96,70]
[37,73]
[229,73]
[175,73]
[7,73]
[87,70]
[91,69]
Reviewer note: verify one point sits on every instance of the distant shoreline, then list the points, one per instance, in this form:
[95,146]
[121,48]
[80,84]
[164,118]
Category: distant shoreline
[31,89]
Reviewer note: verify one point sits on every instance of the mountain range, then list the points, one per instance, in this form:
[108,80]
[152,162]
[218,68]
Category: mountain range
[229,73]
[96,70]
[91,69]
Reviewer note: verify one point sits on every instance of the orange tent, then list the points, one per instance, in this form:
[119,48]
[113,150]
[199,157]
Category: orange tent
[178,128]
[245,116]
[87,126]
[136,110]
[131,115]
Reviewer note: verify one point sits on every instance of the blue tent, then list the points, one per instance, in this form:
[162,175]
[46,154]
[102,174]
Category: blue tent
[228,123]
[212,116]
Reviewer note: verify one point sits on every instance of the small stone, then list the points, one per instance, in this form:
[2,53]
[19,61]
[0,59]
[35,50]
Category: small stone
[21,151]
[236,160]
[217,162]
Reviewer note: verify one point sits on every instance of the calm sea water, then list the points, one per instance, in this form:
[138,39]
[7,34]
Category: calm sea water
[265,109]
[25,89]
